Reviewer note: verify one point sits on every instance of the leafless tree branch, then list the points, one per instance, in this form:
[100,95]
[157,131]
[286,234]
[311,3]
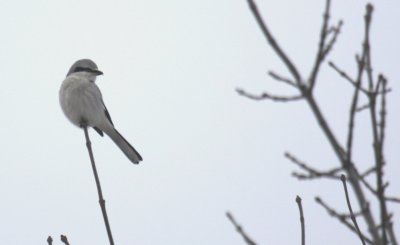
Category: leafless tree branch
[311,172]
[391,234]
[265,95]
[99,191]
[303,229]
[374,89]
[342,218]
[240,230]
[377,143]
[343,74]
[64,239]
[353,218]
[271,40]
[323,47]
[335,31]
[282,79]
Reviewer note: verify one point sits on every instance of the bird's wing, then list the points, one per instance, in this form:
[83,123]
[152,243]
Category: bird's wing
[107,114]
[98,131]
[108,117]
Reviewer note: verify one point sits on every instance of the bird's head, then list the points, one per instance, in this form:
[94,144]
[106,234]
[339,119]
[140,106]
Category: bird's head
[85,67]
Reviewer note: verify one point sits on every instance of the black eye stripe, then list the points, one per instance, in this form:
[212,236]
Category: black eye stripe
[78,69]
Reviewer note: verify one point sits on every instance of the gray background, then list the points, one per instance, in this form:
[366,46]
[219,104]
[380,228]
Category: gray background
[170,70]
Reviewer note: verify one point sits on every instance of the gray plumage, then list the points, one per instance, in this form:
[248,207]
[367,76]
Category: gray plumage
[82,103]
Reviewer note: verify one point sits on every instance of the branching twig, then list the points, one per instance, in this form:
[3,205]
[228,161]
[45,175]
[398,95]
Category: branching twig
[328,36]
[99,191]
[312,173]
[265,95]
[375,192]
[323,48]
[282,79]
[303,229]
[240,230]
[343,74]
[335,31]
[340,217]
[377,143]
[353,218]
[273,43]
[363,107]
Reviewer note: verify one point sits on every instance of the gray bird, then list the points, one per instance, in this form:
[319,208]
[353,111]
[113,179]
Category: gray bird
[83,105]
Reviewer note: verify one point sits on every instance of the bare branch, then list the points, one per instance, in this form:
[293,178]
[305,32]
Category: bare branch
[377,143]
[303,229]
[343,74]
[99,191]
[353,218]
[375,192]
[282,79]
[312,173]
[323,49]
[382,124]
[64,239]
[391,234]
[265,95]
[341,218]
[335,32]
[353,110]
[273,43]
[328,36]
[363,107]
[50,240]
[369,171]
[240,230]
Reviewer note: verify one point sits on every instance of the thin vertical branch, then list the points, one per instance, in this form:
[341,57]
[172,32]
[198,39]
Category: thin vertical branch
[342,218]
[383,111]
[391,234]
[353,107]
[377,143]
[321,46]
[99,191]
[240,230]
[303,229]
[353,218]
[50,240]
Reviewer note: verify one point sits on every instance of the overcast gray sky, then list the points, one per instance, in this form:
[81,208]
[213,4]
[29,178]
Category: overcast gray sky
[170,71]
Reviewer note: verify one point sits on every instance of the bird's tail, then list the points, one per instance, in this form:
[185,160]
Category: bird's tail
[124,145]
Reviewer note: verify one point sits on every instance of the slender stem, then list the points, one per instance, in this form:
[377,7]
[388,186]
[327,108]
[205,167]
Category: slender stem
[64,239]
[377,142]
[239,229]
[320,54]
[303,229]
[391,234]
[348,166]
[100,193]
[353,218]
[271,40]
[50,240]
[342,218]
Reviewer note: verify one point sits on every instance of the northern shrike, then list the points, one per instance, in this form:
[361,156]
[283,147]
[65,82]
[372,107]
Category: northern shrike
[83,105]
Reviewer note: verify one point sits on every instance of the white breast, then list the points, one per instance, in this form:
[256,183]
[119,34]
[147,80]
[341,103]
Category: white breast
[81,99]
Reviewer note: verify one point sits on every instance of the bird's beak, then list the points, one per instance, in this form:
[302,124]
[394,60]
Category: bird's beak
[98,73]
